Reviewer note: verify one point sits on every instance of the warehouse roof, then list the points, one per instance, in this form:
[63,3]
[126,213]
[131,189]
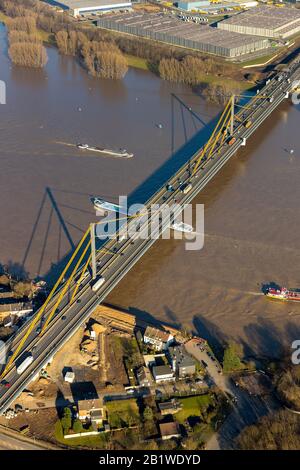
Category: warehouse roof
[80,4]
[168,24]
[264,17]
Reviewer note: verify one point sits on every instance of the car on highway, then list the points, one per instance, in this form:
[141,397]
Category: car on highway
[5,384]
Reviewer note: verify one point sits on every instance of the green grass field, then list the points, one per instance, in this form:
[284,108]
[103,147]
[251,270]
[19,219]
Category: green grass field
[123,413]
[192,406]
[137,62]
[93,442]
[260,60]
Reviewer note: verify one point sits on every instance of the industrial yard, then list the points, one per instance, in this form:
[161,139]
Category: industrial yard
[172,30]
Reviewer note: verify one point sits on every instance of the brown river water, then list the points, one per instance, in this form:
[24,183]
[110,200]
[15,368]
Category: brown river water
[252,208]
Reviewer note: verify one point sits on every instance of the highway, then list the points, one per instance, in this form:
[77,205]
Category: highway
[120,255]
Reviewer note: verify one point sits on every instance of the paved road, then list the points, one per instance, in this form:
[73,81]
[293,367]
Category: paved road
[120,255]
[12,443]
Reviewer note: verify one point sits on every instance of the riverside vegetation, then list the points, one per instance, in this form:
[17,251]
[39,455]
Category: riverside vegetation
[104,53]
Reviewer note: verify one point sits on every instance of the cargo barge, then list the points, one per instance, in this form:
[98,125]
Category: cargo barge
[119,154]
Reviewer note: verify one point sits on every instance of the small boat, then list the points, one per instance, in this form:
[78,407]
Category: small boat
[283,294]
[181,227]
[122,153]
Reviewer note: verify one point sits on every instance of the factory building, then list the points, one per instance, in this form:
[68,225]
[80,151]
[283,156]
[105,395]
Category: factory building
[264,21]
[192,5]
[81,7]
[171,30]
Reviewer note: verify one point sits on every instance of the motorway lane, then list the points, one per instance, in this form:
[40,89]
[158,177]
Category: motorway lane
[12,443]
[115,267]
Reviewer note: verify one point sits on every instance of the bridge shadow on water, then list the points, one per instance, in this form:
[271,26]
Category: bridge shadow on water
[140,194]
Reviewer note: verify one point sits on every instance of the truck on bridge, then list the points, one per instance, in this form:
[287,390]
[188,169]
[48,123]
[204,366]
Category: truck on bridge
[24,364]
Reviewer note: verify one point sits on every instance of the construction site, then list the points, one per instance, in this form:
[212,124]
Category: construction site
[97,359]
[100,360]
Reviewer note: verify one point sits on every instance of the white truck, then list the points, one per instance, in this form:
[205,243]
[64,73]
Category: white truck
[98,283]
[24,364]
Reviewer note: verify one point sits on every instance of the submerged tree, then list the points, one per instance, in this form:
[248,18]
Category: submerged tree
[28,54]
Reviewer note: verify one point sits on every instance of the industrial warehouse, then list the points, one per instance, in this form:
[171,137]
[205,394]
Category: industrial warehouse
[172,30]
[81,7]
[264,21]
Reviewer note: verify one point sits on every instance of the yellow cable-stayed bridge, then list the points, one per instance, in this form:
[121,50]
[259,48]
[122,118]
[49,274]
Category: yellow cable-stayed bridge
[73,298]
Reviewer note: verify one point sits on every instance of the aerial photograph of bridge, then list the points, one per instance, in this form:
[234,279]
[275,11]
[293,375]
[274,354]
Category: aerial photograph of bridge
[149,281]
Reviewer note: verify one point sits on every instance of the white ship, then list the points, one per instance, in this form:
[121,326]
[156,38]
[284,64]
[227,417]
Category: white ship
[102,205]
[181,227]
[122,153]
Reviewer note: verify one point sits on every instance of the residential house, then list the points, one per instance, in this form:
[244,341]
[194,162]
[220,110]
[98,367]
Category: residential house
[90,409]
[181,362]
[169,430]
[17,309]
[158,339]
[169,407]
[97,416]
[162,373]
[144,377]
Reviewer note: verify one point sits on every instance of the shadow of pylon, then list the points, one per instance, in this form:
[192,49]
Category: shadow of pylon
[62,224]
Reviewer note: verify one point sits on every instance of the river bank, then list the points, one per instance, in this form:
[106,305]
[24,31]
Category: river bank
[205,79]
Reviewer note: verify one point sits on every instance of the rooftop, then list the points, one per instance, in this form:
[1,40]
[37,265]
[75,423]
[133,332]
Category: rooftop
[181,356]
[169,429]
[264,17]
[98,414]
[15,306]
[162,370]
[174,27]
[88,405]
[80,4]
[156,334]
[169,405]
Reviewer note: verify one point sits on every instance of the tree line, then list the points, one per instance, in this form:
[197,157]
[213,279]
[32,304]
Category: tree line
[25,47]
[73,38]
[100,58]
[277,431]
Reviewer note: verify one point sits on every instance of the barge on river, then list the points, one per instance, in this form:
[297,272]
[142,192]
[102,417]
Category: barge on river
[122,153]
[283,294]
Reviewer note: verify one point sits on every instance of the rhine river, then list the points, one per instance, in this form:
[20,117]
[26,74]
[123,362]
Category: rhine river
[252,209]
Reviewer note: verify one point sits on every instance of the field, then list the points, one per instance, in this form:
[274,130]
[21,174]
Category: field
[123,413]
[137,62]
[193,406]
[92,442]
